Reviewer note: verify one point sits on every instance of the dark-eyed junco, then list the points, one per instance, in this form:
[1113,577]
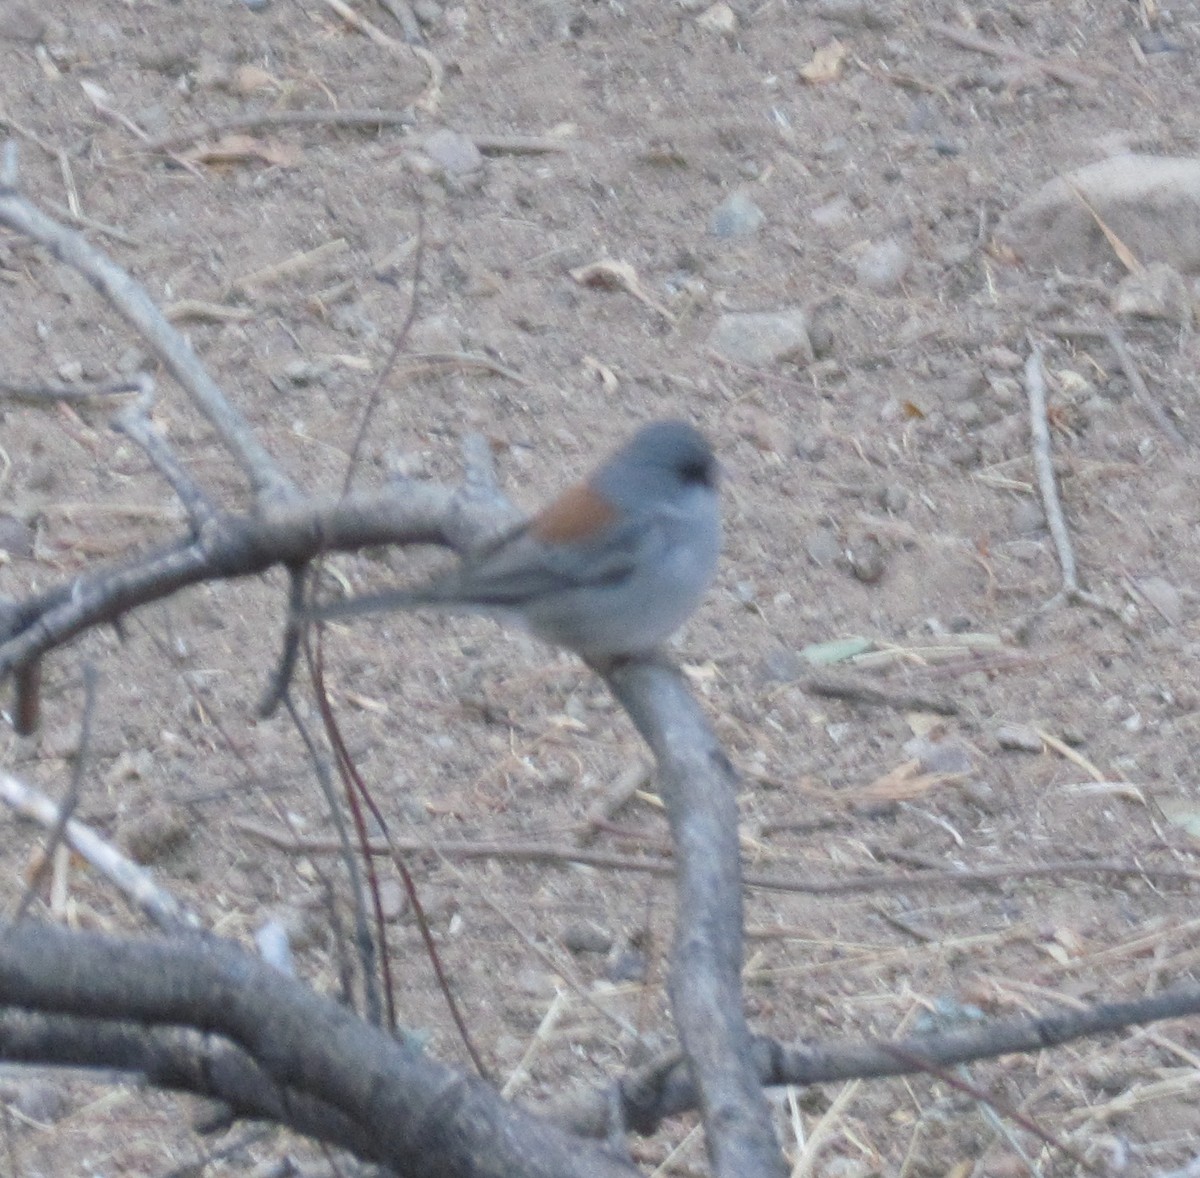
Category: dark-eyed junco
[612,567]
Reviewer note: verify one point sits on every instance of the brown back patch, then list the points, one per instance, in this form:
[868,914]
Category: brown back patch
[574,517]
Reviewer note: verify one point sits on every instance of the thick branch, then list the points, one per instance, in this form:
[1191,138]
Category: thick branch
[425,1118]
[697,784]
[182,1061]
[232,546]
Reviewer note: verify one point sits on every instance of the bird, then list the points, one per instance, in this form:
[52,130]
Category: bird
[610,568]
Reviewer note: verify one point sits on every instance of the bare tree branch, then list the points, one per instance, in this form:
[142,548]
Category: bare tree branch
[698,785]
[423,1117]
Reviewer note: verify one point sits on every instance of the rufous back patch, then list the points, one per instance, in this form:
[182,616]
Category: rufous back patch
[574,517]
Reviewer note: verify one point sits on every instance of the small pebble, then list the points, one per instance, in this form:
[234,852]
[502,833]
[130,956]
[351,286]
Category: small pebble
[452,152]
[586,937]
[629,966]
[893,499]
[867,561]
[738,216]
[761,338]
[781,665]
[823,547]
[1004,359]
[720,18]
[1019,738]
[832,212]
[882,265]
[393,899]
[1027,518]
[934,755]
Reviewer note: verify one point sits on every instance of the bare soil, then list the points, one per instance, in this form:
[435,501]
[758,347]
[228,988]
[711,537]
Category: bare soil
[905,443]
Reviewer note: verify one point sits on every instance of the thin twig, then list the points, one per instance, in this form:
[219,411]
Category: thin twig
[134,422]
[978,44]
[48,394]
[1043,465]
[552,853]
[71,801]
[367,118]
[135,882]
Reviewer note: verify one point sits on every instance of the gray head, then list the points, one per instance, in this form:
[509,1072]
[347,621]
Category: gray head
[660,457]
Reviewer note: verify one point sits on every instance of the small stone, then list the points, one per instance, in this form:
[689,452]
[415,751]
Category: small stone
[981,795]
[160,831]
[968,414]
[852,13]
[720,18]
[71,372]
[823,547]
[737,216]
[1019,738]
[1004,359]
[832,212]
[882,265]
[1027,518]
[534,983]
[452,153]
[867,560]
[1157,291]
[300,374]
[586,937]
[781,665]
[893,499]
[393,900]
[939,754]
[629,966]
[761,338]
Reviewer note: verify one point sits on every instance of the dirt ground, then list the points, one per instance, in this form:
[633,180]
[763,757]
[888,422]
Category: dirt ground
[882,491]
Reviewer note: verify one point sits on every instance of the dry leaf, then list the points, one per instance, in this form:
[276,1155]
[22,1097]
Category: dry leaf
[610,275]
[608,378]
[241,149]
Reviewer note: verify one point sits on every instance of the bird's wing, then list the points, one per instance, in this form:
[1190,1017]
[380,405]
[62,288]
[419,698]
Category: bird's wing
[520,567]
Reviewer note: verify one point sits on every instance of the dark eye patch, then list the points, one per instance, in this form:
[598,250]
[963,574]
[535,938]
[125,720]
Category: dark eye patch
[698,470]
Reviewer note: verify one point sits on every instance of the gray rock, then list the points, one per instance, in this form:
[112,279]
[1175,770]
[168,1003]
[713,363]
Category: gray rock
[1027,517]
[1151,203]
[452,152]
[823,547]
[760,338]
[946,754]
[1019,738]
[738,216]
[882,265]
[586,937]
[853,13]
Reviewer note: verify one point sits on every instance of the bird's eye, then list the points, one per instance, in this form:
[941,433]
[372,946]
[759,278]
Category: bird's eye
[698,471]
